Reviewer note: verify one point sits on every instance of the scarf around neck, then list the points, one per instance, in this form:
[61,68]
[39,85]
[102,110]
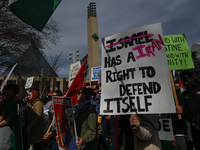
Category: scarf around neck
[79,106]
[35,96]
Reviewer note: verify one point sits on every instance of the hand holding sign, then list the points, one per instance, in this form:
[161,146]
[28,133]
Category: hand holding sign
[179,109]
[135,123]
[79,142]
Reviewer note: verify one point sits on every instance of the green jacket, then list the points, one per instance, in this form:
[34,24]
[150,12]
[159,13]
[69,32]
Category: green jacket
[86,125]
[11,106]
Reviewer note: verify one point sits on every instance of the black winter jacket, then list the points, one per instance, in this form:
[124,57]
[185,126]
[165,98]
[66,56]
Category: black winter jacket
[191,104]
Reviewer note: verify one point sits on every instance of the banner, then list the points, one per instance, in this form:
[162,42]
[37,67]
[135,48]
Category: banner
[178,52]
[135,73]
[65,123]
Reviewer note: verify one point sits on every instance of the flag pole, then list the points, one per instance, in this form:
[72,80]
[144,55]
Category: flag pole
[66,93]
[43,91]
[50,125]
[174,92]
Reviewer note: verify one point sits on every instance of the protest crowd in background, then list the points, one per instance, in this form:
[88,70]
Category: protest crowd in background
[137,131]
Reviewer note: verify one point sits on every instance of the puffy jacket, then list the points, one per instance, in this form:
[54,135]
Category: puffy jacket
[86,125]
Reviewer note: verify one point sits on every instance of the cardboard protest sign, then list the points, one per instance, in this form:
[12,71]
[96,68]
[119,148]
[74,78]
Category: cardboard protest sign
[65,123]
[178,52]
[94,73]
[74,68]
[29,82]
[135,74]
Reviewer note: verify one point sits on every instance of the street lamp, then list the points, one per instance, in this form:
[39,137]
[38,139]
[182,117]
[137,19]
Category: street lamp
[75,55]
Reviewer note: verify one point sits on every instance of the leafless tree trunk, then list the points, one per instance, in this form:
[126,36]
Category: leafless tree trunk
[56,64]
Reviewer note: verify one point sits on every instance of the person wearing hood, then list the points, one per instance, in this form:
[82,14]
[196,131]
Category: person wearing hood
[35,127]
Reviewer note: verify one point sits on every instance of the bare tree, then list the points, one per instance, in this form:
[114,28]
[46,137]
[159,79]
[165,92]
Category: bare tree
[56,64]
[16,36]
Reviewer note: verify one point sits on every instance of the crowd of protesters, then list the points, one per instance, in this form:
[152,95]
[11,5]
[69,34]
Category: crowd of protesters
[33,125]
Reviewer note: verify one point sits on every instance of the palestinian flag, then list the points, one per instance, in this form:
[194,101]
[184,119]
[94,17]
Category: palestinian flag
[198,93]
[36,13]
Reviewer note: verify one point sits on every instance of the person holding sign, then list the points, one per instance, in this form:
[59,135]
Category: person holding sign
[191,105]
[145,134]
[86,120]
[179,126]
[51,135]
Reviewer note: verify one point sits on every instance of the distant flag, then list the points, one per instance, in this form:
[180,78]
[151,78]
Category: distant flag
[5,81]
[77,83]
[36,13]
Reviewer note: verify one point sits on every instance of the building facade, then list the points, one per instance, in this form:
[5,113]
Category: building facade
[93,38]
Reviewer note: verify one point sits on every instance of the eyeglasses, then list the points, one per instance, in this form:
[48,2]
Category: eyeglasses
[79,93]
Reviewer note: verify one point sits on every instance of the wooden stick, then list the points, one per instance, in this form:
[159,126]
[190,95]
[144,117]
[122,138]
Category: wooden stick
[59,130]
[66,93]
[174,92]
[43,91]
[50,125]
[44,88]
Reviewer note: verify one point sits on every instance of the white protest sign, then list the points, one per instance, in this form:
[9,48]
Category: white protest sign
[135,73]
[99,77]
[8,76]
[165,129]
[29,82]
[94,73]
[74,68]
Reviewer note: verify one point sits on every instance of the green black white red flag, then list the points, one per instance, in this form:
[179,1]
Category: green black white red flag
[36,13]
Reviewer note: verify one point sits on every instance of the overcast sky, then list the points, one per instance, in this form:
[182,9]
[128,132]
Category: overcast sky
[115,16]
